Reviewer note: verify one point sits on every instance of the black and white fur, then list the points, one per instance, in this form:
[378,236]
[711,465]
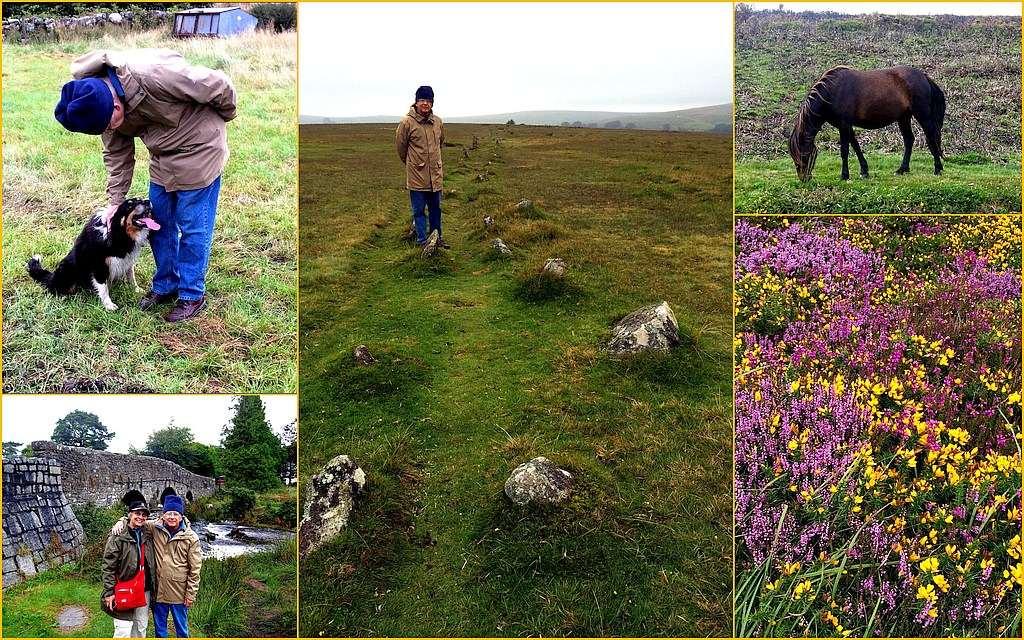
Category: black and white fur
[101,254]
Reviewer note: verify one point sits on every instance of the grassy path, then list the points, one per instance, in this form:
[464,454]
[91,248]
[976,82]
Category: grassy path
[474,377]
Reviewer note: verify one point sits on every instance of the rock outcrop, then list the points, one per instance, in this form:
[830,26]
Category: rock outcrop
[538,481]
[331,495]
[652,328]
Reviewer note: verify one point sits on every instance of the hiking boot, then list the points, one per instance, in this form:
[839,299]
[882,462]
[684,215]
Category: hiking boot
[152,298]
[443,244]
[185,310]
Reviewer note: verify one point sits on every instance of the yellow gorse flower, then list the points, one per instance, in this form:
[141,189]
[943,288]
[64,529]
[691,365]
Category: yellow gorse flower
[801,589]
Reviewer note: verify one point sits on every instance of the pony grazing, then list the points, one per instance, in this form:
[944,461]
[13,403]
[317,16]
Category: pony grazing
[846,98]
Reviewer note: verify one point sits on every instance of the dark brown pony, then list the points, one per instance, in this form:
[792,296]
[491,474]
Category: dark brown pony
[846,98]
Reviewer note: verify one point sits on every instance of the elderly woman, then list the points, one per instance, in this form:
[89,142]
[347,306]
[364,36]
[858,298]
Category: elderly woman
[126,555]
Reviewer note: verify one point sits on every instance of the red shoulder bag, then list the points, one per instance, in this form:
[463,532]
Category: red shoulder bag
[131,594]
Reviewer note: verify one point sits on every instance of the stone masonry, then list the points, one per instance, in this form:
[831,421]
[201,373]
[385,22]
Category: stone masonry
[103,478]
[40,530]
[29,28]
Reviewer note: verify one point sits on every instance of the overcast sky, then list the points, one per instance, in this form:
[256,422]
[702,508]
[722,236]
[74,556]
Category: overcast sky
[362,59]
[910,8]
[133,418]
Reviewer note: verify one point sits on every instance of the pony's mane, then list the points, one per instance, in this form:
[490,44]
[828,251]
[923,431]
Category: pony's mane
[820,93]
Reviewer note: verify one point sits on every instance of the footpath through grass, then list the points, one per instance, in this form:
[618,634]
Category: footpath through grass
[54,180]
[772,186]
[480,368]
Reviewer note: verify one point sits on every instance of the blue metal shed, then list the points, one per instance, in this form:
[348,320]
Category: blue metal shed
[218,22]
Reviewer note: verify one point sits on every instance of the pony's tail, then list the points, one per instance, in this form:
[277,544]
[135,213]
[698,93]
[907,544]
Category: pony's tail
[938,112]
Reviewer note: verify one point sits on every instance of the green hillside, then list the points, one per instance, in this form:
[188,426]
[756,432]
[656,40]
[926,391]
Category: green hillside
[711,118]
[975,60]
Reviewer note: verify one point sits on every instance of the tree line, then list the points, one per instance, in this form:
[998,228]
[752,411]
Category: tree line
[249,455]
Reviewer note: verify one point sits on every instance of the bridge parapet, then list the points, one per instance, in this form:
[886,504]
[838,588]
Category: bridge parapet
[104,478]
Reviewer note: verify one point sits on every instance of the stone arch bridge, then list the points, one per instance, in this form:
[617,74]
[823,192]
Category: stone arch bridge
[105,479]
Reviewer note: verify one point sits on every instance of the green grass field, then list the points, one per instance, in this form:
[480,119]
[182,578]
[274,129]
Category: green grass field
[53,181]
[772,186]
[976,60]
[479,369]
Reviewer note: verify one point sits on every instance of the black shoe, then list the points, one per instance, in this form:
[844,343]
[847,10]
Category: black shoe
[151,299]
[185,310]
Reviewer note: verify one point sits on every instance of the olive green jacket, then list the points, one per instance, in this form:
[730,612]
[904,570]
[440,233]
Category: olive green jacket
[419,140]
[121,562]
[179,111]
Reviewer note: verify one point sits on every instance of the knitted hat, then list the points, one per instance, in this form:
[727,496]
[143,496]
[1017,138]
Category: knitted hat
[174,503]
[85,106]
[425,93]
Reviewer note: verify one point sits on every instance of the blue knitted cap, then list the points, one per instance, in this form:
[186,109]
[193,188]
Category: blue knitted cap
[425,92]
[174,503]
[85,106]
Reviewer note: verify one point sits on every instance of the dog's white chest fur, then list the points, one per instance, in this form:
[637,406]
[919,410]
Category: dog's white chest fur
[120,267]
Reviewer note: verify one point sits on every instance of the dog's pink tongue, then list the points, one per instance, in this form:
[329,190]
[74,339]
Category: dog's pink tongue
[151,223]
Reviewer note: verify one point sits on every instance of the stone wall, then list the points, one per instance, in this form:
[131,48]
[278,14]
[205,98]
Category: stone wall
[103,478]
[40,530]
[31,28]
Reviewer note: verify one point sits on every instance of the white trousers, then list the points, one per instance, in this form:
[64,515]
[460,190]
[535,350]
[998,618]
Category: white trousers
[136,627]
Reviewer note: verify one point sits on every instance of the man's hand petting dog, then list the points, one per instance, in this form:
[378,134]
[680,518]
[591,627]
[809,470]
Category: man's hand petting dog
[108,214]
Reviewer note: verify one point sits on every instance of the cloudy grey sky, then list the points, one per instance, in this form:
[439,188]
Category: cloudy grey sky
[361,59]
[133,418]
[908,8]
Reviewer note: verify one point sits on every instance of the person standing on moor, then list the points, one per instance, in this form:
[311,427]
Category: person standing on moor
[419,139]
[180,112]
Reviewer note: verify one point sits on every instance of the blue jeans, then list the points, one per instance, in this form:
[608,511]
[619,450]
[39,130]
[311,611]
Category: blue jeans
[181,248]
[420,201]
[180,614]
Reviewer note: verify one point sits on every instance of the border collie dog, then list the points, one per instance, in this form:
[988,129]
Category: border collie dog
[102,253]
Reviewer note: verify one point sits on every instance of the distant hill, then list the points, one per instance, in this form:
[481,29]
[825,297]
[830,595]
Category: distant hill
[711,118]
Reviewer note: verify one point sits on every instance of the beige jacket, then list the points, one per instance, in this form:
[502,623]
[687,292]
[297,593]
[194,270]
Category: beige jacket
[419,141]
[177,109]
[179,561]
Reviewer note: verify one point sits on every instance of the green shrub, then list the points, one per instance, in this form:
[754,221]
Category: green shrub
[279,16]
[240,501]
[282,513]
[96,521]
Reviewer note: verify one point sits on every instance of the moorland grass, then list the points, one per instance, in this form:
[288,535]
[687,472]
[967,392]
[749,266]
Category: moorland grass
[965,186]
[53,180]
[473,377]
